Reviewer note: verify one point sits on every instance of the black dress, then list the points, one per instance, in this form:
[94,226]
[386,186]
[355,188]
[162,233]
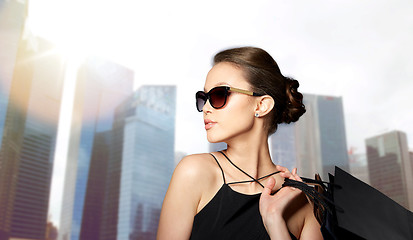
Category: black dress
[231,215]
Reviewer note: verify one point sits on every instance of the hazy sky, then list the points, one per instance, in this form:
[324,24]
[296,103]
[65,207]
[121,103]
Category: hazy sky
[360,50]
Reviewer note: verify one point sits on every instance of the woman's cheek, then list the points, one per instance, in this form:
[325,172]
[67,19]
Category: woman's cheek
[225,130]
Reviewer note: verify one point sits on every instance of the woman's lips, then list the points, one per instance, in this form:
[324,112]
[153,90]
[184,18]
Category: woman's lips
[209,124]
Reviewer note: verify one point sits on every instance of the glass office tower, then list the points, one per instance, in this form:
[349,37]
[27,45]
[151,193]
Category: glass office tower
[147,160]
[282,146]
[12,18]
[29,139]
[101,86]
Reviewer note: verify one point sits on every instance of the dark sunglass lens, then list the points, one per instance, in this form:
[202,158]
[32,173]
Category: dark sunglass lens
[218,97]
[200,100]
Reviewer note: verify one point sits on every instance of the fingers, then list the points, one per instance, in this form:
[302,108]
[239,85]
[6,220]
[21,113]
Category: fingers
[285,173]
[294,174]
[269,186]
[282,169]
[297,177]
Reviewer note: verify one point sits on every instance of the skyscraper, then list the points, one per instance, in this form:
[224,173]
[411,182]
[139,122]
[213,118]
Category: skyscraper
[95,189]
[411,159]
[317,142]
[390,167]
[12,18]
[147,160]
[282,146]
[29,139]
[101,86]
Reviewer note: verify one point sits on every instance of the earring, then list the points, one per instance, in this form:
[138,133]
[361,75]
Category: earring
[257,115]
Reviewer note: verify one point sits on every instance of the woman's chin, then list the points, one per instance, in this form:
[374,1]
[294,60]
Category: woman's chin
[213,139]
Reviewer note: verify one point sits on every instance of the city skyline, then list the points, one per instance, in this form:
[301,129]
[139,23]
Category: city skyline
[364,59]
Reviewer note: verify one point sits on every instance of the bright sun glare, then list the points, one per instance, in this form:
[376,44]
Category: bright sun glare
[78,28]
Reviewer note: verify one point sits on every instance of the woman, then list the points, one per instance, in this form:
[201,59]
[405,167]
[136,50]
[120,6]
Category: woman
[230,194]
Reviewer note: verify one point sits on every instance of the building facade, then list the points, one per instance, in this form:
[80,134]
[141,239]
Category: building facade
[131,161]
[101,86]
[316,143]
[29,139]
[282,146]
[390,167]
[12,20]
[147,161]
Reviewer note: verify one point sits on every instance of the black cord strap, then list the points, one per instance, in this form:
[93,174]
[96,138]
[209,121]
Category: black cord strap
[253,180]
[320,200]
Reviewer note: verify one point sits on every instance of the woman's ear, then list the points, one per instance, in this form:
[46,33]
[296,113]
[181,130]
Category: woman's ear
[264,105]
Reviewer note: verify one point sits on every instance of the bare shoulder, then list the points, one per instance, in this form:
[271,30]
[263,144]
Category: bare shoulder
[195,166]
[194,160]
[194,173]
[182,198]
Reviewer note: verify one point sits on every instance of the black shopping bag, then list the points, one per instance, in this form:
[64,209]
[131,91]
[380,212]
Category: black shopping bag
[367,212]
[348,208]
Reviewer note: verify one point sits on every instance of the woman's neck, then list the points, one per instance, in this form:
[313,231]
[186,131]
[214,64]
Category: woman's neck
[251,153]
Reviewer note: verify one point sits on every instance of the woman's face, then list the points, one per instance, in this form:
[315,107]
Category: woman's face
[236,118]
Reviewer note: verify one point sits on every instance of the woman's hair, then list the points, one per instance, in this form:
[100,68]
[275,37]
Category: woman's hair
[264,75]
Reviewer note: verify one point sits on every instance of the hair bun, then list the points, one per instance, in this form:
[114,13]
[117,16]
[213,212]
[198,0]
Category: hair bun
[294,105]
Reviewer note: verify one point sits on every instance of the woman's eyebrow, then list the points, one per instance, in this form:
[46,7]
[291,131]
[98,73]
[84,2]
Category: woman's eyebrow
[219,84]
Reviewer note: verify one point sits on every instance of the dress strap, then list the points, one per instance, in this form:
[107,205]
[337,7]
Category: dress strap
[253,179]
[223,175]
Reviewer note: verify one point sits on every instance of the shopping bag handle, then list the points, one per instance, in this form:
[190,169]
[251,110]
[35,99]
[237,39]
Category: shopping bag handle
[320,183]
[322,200]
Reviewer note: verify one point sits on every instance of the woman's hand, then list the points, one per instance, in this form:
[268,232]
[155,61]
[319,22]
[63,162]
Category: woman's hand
[272,207]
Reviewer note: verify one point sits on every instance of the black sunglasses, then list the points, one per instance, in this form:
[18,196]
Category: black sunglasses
[218,96]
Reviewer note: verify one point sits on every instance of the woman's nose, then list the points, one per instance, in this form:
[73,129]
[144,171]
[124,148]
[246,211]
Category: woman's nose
[207,107]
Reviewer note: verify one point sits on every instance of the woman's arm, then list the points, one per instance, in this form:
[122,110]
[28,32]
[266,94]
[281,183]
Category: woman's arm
[275,208]
[311,229]
[181,201]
